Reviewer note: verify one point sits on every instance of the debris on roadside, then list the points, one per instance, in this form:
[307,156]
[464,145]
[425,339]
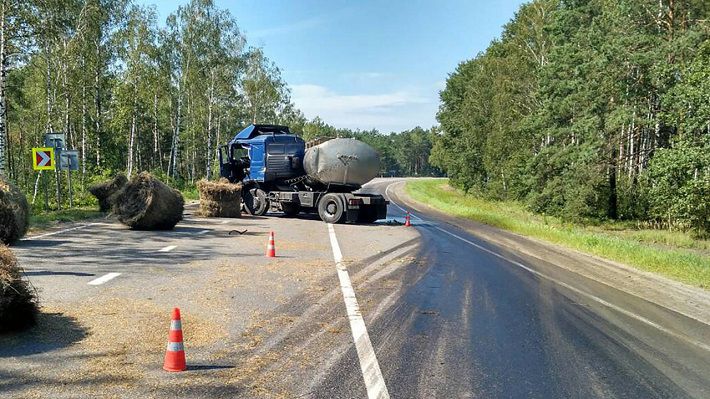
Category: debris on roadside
[233,232]
[14,213]
[220,198]
[146,203]
[18,300]
[106,192]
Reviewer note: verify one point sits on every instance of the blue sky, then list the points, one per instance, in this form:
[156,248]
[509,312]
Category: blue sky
[367,64]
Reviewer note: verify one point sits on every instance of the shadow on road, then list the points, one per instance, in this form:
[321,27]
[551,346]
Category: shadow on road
[199,367]
[53,331]
[51,273]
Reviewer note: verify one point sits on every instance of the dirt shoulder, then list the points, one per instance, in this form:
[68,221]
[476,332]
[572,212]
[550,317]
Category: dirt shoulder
[687,300]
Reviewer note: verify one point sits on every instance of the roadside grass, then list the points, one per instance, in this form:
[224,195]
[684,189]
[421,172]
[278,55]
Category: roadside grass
[190,193]
[671,253]
[40,220]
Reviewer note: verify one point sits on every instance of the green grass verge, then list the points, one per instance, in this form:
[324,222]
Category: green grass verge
[673,254]
[190,193]
[41,220]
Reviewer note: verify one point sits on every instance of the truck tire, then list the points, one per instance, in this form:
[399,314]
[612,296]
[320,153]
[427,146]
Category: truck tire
[255,202]
[331,208]
[290,209]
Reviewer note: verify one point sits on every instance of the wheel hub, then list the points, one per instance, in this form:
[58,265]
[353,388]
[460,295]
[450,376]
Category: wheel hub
[331,208]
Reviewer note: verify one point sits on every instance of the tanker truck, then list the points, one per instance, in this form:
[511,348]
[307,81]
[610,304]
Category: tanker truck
[282,173]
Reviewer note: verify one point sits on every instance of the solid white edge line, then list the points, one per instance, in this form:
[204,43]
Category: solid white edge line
[371,373]
[168,248]
[585,294]
[104,278]
[387,189]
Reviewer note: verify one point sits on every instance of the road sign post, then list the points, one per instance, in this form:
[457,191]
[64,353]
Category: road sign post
[54,157]
[43,159]
[69,161]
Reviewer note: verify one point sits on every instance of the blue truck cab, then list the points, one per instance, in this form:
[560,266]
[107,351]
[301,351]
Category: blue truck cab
[263,154]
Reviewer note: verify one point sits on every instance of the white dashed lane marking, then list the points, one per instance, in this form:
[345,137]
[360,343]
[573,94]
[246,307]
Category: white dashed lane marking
[168,248]
[103,279]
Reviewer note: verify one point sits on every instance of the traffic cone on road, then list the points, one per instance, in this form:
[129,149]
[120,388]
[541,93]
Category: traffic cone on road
[271,248]
[175,353]
[407,222]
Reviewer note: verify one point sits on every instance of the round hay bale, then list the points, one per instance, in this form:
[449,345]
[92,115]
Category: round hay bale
[106,192]
[220,199]
[14,212]
[18,302]
[146,203]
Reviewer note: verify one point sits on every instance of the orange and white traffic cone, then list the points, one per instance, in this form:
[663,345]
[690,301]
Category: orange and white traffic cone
[175,353]
[271,248]
[407,222]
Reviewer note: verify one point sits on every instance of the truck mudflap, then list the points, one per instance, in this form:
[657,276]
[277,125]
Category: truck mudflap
[365,208]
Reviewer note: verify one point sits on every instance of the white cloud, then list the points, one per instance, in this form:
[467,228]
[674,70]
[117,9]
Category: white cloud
[393,111]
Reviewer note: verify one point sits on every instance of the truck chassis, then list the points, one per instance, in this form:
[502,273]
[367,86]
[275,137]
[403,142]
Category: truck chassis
[332,207]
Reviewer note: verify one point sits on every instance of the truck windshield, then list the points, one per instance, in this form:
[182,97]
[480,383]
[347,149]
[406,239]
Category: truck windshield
[238,153]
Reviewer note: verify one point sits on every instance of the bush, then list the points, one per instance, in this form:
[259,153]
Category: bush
[678,182]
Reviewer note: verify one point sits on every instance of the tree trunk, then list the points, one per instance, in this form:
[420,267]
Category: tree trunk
[218,138]
[176,138]
[208,173]
[4,150]
[132,136]
[191,149]
[65,87]
[131,141]
[97,101]
[612,210]
[156,140]
[34,194]
[83,128]
[48,91]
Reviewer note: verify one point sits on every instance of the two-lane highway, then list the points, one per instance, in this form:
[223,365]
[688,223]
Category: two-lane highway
[484,321]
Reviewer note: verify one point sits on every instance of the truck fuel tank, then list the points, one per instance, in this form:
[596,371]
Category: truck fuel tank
[347,162]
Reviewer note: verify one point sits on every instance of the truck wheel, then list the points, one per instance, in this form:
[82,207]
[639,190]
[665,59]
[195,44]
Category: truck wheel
[331,208]
[290,210]
[255,202]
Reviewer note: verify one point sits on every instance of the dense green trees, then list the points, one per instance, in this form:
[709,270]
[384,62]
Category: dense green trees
[129,94]
[588,108]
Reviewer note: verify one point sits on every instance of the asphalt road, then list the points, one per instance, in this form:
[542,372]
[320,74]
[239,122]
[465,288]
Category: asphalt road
[441,310]
[483,321]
